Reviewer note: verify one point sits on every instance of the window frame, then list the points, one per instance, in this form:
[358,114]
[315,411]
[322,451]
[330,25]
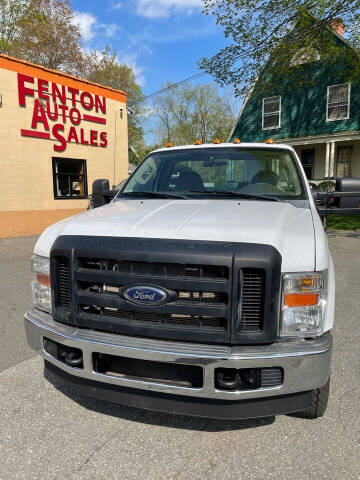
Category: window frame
[348,102]
[273,113]
[77,197]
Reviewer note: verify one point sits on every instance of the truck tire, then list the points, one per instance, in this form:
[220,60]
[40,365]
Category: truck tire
[317,407]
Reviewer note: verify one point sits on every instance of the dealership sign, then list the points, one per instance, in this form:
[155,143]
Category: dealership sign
[56,115]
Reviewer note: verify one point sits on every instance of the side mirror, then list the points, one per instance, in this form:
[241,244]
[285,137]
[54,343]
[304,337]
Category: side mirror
[100,193]
[100,186]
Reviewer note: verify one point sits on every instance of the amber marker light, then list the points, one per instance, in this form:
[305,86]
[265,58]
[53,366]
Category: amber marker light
[270,140]
[217,141]
[168,145]
[236,140]
[43,279]
[197,142]
[301,299]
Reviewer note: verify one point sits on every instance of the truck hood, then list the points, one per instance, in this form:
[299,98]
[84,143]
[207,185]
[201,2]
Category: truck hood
[287,228]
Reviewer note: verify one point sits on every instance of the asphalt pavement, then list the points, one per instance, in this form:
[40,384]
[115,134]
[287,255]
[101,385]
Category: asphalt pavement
[47,431]
[15,299]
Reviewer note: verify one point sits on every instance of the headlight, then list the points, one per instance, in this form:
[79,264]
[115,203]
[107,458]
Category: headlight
[40,286]
[304,302]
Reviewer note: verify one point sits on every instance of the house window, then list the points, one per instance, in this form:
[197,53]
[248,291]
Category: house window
[271,117]
[308,160]
[338,102]
[343,161]
[69,177]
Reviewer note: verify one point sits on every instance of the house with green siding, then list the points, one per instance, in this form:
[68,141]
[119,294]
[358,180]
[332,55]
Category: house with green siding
[320,119]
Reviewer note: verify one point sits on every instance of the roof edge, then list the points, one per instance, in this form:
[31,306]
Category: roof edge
[25,63]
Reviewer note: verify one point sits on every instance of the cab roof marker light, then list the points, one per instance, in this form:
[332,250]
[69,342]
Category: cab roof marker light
[217,141]
[236,140]
[197,142]
[169,144]
[270,141]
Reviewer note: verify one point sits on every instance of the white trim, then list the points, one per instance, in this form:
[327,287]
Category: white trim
[332,159]
[247,98]
[338,137]
[274,113]
[348,106]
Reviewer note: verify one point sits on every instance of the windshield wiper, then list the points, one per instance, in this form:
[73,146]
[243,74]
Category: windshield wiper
[232,193]
[152,194]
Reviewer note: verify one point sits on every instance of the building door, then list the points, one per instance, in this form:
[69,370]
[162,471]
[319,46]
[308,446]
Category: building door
[308,161]
[343,161]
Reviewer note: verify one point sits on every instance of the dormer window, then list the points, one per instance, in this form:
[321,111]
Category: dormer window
[271,117]
[338,102]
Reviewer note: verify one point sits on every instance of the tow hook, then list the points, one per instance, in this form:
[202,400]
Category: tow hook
[230,381]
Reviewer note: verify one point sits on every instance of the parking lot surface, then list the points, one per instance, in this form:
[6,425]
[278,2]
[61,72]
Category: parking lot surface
[49,432]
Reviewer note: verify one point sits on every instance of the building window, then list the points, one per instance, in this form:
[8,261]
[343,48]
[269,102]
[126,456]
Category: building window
[69,176]
[343,161]
[308,161]
[338,102]
[271,117]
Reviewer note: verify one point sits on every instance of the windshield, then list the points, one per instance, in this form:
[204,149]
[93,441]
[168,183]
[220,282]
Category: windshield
[223,171]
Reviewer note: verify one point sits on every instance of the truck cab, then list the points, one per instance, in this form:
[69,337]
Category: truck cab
[205,288]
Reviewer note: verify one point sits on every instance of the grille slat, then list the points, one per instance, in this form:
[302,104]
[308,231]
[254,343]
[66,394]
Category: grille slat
[154,269]
[252,299]
[64,286]
[196,321]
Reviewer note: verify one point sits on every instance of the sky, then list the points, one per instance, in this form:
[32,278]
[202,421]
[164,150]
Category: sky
[161,39]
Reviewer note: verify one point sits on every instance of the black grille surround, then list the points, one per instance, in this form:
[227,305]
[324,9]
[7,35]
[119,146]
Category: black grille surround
[225,292]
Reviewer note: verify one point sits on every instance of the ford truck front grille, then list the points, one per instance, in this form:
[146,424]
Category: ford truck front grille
[217,297]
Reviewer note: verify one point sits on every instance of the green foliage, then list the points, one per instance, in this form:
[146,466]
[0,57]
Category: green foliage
[283,35]
[106,69]
[193,112]
[137,155]
[327,186]
[338,222]
[12,13]
[42,32]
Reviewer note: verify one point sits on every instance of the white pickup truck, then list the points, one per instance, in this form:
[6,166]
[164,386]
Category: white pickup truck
[205,288]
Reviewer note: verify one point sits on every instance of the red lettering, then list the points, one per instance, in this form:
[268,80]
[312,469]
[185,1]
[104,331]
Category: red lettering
[72,135]
[39,116]
[22,90]
[82,137]
[60,138]
[63,108]
[93,138]
[103,138]
[51,115]
[87,105]
[74,92]
[100,104]
[43,89]
[73,119]
[57,94]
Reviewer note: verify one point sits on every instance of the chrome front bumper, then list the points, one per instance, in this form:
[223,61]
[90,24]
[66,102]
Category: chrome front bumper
[306,363]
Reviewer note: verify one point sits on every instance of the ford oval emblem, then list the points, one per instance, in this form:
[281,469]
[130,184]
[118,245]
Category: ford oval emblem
[145,295]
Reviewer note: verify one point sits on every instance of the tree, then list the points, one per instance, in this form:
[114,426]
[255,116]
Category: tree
[106,69]
[275,33]
[47,35]
[12,12]
[192,112]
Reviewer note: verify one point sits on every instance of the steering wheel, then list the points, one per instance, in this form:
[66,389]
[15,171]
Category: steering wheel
[266,177]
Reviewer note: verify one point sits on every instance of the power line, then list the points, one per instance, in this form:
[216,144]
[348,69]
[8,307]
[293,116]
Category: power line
[170,87]
[201,74]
